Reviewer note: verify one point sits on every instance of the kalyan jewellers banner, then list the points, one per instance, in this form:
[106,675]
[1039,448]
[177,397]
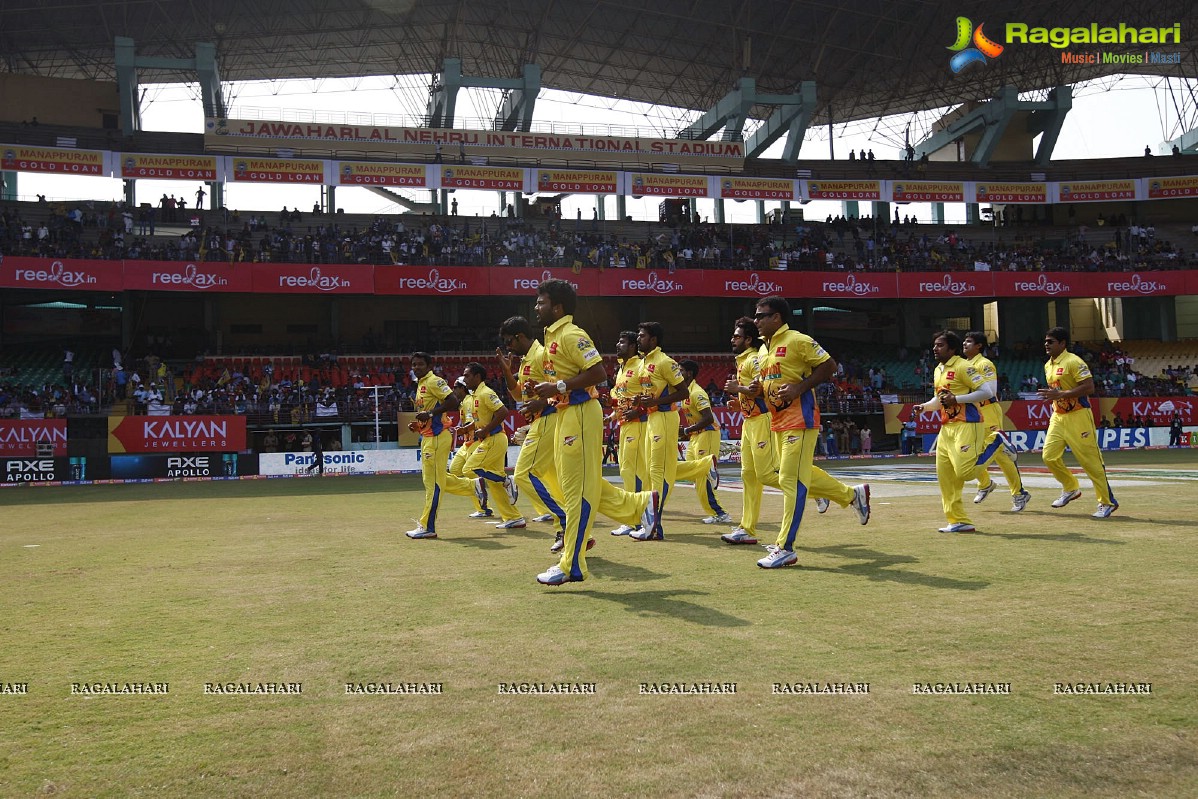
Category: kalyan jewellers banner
[176,434]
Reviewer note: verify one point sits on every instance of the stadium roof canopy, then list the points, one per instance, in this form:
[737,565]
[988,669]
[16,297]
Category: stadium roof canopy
[868,58]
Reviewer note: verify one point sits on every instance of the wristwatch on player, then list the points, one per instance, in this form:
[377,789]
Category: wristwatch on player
[561,387]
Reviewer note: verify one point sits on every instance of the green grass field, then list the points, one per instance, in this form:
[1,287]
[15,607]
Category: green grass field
[312,582]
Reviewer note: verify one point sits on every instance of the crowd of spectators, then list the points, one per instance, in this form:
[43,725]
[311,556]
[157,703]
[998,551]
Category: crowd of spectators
[839,243]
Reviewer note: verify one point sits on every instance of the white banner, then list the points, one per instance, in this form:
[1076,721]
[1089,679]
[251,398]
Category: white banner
[341,462]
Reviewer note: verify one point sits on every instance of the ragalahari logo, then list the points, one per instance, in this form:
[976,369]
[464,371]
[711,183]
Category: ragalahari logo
[982,49]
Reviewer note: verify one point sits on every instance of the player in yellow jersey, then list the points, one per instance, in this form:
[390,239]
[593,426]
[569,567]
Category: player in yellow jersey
[701,431]
[490,453]
[1069,386]
[535,474]
[433,399]
[661,389]
[791,365]
[573,367]
[996,448]
[631,420]
[464,436]
[959,390]
[758,460]
[758,448]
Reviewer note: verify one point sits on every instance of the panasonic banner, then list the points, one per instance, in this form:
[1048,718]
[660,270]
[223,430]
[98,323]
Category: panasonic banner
[368,461]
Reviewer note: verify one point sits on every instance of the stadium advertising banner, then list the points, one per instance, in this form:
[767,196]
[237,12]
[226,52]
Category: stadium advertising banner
[1095,191]
[19,471]
[1034,415]
[865,285]
[555,181]
[657,283]
[757,189]
[179,466]
[137,166]
[926,191]
[42,273]
[240,169]
[1011,193]
[182,276]
[652,184]
[841,189]
[814,285]
[446,281]
[482,281]
[1088,284]
[945,284]
[372,173]
[524,281]
[19,439]
[1171,188]
[55,160]
[346,462]
[496,178]
[169,434]
[305,279]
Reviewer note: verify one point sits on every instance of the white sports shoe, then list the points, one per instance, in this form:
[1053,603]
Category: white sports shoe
[958,527]
[984,492]
[480,491]
[778,558]
[512,524]
[509,486]
[860,502]
[822,504]
[645,534]
[1008,448]
[559,541]
[1019,501]
[554,576]
[1066,497]
[1104,510]
[722,518]
[713,477]
[482,514]
[623,529]
[738,536]
[420,532]
[544,517]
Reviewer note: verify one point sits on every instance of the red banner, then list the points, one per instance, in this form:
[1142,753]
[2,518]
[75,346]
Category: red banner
[176,433]
[1035,414]
[945,284]
[19,439]
[1159,409]
[43,273]
[864,285]
[183,276]
[305,279]
[445,281]
[653,282]
[754,284]
[520,281]
[483,281]
[1089,284]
